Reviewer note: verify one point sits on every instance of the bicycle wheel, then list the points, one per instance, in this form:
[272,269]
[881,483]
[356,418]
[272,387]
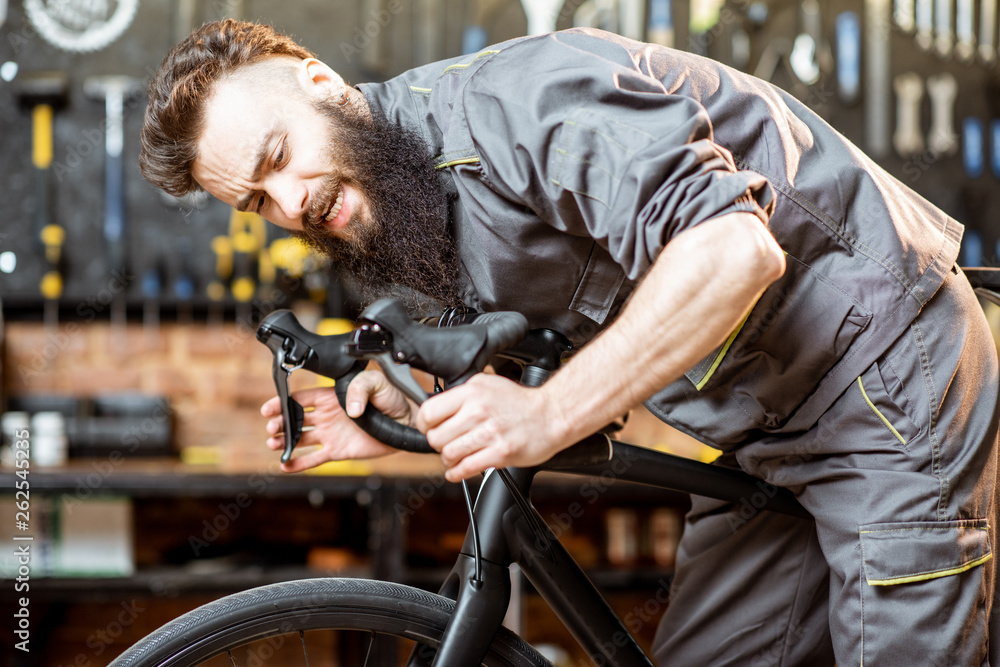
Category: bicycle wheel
[254,626]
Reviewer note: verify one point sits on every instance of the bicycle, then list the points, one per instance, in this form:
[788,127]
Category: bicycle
[461,625]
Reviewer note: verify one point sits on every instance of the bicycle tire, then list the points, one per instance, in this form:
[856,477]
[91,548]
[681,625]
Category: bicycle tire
[312,604]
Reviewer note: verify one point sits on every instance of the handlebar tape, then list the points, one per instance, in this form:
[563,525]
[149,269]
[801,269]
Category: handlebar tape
[503,330]
[383,428]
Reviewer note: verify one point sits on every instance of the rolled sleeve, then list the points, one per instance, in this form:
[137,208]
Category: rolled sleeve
[597,149]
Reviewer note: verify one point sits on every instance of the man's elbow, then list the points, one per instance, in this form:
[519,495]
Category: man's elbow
[753,249]
[771,259]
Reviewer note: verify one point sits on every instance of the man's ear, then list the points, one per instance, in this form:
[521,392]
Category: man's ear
[318,80]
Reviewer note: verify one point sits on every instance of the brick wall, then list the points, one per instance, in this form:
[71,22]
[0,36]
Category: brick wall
[214,376]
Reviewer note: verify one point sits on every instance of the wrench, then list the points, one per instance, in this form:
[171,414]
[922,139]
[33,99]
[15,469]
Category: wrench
[542,15]
[878,95]
[972,147]
[965,47]
[942,89]
[902,12]
[987,30]
[944,38]
[660,23]
[925,24]
[848,57]
[907,140]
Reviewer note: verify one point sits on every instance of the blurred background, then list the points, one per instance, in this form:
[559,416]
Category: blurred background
[127,316]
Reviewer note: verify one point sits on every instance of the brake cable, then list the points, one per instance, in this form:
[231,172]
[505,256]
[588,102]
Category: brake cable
[443,321]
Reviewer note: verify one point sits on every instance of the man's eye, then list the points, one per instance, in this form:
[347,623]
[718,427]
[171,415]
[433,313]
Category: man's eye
[260,205]
[280,158]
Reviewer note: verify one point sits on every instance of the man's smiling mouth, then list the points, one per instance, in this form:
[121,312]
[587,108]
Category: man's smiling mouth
[335,207]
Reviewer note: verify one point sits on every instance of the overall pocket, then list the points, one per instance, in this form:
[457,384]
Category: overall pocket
[913,551]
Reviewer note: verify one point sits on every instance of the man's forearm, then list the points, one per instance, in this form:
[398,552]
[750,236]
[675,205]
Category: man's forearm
[698,290]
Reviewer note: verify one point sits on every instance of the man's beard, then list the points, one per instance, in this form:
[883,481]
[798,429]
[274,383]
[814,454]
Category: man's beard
[406,243]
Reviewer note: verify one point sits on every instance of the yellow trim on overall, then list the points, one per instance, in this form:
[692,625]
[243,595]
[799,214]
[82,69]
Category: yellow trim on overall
[930,575]
[464,65]
[722,352]
[418,89]
[881,416]
[464,160]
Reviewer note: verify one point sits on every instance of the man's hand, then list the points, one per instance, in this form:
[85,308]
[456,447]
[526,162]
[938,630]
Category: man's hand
[330,429]
[490,422]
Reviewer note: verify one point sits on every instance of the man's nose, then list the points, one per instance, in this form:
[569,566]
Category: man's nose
[292,196]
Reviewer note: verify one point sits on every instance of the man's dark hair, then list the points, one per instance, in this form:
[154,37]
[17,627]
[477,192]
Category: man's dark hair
[176,111]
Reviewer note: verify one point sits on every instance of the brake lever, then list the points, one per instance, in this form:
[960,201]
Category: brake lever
[292,412]
[372,342]
[400,377]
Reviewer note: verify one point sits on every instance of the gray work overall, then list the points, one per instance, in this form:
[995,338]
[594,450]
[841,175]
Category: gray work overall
[864,379]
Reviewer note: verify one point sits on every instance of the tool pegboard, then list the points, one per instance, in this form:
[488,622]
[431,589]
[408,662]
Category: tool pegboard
[845,59]
[170,249]
[913,83]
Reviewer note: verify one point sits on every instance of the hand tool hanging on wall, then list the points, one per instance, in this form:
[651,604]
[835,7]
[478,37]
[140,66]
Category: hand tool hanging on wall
[222,246]
[803,59]
[113,90]
[43,92]
[631,18]
[248,233]
[373,56]
[815,58]
[965,34]
[972,147]
[902,14]
[944,37]
[542,15]
[971,250]
[777,50]
[848,57]
[878,95]
[973,207]
[601,14]
[80,25]
[428,25]
[183,19]
[267,272]
[987,30]
[925,24]
[288,255]
[942,89]
[908,139]
[739,49]
[660,25]
[475,36]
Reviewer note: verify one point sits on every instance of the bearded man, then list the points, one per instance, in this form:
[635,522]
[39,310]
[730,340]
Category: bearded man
[715,249]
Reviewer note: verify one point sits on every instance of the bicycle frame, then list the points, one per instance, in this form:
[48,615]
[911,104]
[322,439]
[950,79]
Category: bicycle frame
[512,532]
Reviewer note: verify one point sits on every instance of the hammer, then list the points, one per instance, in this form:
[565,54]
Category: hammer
[43,92]
[113,91]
